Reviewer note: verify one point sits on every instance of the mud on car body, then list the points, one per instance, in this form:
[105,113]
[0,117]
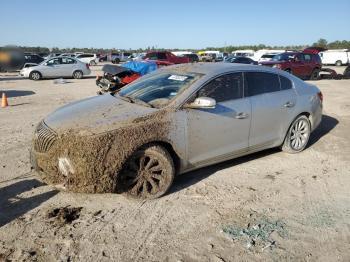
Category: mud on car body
[136,140]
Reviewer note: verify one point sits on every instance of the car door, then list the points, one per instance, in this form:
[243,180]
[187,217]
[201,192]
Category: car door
[272,107]
[67,66]
[299,66]
[308,64]
[51,68]
[219,133]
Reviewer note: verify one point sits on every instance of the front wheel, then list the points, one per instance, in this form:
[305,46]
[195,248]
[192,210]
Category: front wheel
[78,74]
[298,135]
[35,76]
[148,173]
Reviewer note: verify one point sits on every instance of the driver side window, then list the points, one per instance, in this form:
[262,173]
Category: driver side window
[223,88]
[54,61]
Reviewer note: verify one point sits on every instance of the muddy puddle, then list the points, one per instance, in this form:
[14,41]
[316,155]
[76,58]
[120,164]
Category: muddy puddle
[64,215]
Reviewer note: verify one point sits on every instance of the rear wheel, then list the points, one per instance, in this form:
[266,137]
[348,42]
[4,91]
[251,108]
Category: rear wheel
[148,173]
[338,63]
[78,74]
[116,61]
[35,75]
[298,135]
[315,74]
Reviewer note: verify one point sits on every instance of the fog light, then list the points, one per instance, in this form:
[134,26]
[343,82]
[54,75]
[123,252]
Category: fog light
[65,167]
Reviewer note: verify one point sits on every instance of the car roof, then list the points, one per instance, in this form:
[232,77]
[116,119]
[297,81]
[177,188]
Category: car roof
[215,68]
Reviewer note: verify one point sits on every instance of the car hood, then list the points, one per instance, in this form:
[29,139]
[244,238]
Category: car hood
[95,115]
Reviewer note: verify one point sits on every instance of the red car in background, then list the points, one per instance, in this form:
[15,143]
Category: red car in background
[305,65]
[166,56]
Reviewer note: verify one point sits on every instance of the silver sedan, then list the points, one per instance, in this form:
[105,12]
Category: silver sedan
[57,67]
[172,121]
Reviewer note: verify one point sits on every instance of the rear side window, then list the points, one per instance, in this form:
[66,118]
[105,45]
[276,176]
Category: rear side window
[316,58]
[224,88]
[260,82]
[285,83]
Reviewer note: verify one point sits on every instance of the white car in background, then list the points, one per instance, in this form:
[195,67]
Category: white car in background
[90,59]
[262,52]
[336,57]
[57,67]
[247,53]
[267,57]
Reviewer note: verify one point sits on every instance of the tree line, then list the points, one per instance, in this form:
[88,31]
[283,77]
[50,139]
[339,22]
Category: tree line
[344,44]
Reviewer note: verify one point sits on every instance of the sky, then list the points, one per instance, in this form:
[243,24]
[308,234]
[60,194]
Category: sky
[171,24]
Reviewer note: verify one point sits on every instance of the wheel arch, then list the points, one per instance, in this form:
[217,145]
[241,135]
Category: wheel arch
[303,113]
[36,71]
[169,147]
[77,70]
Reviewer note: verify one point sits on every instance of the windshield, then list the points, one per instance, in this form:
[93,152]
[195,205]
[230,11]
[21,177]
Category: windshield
[283,57]
[159,89]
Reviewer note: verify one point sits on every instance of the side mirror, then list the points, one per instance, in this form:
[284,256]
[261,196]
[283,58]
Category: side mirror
[202,102]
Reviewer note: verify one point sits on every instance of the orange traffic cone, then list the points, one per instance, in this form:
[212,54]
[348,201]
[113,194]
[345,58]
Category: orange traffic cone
[4,102]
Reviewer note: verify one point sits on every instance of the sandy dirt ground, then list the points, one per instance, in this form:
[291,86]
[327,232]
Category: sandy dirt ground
[269,206]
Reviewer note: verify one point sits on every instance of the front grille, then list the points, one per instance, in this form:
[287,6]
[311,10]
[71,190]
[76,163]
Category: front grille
[44,138]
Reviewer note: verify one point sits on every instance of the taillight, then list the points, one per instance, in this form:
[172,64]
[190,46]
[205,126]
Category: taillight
[320,96]
[87,66]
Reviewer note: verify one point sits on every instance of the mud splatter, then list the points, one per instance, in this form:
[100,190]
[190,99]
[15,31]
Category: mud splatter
[64,215]
[98,159]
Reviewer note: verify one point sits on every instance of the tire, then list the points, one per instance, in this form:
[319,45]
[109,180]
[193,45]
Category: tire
[35,75]
[338,63]
[78,74]
[297,136]
[148,173]
[315,74]
[116,61]
[347,72]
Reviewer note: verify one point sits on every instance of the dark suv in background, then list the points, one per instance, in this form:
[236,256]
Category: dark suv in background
[303,65]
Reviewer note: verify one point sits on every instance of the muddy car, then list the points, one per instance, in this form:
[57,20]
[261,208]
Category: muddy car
[136,141]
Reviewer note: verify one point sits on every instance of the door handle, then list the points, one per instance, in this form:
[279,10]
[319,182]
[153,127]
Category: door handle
[241,115]
[288,104]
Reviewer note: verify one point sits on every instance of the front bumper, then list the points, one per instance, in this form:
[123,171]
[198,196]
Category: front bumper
[79,163]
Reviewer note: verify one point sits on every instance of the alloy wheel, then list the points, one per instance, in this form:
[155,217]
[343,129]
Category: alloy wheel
[299,134]
[35,76]
[146,176]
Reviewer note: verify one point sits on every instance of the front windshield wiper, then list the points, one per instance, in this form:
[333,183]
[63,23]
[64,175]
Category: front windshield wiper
[131,99]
